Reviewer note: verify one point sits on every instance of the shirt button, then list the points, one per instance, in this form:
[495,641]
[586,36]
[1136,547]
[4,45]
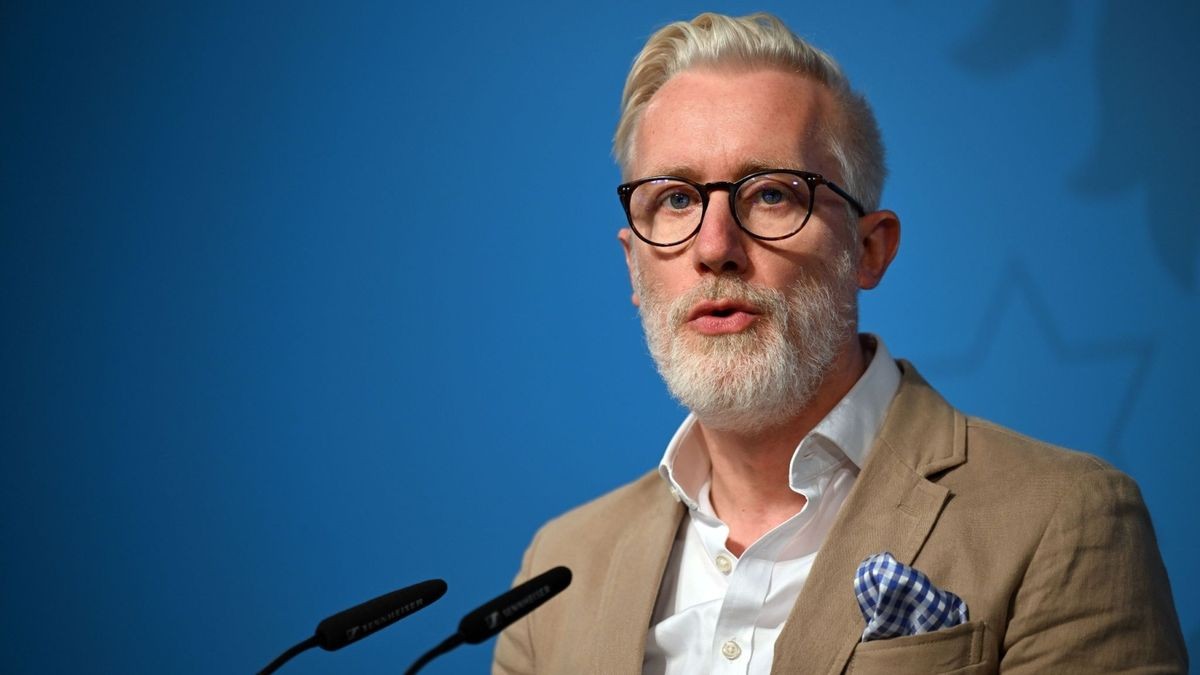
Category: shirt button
[731,650]
[724,564]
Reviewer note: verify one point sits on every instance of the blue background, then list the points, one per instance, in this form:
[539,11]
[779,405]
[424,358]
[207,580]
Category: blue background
[305,302]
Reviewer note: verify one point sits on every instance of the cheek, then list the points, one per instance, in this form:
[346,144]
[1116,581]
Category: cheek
[813,253]
[659,278]
[656,291]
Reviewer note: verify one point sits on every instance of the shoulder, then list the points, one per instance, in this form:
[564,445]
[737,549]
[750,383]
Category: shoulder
[1004,490]
[991,445]
[1047,488]
[957,450]
[1030,484]
[1030,469]
[604,517]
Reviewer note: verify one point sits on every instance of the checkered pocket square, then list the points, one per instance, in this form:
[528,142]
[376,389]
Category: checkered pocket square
[897,600]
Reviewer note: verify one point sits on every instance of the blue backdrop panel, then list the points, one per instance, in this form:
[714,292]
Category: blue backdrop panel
[304,303]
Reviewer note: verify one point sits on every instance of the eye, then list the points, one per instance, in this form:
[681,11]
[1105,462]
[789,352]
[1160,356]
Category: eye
[771,196]
[773,192]
[679,200]
[767,194]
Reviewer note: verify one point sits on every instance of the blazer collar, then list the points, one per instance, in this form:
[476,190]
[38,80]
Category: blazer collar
[892,507]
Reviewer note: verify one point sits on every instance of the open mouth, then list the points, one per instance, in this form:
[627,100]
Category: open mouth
[716,317]
[721,309]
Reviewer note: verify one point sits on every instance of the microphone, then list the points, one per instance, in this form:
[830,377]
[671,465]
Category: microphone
[495,615]
[356,623]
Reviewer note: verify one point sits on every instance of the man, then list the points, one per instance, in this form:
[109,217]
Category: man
[814,470]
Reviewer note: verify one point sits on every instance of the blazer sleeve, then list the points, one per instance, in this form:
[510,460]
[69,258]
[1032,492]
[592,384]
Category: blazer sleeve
[1095,597]
[514,647]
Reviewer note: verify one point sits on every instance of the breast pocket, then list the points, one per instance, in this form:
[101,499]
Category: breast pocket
[962,650]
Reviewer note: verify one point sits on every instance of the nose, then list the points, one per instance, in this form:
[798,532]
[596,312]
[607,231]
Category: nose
[720,245]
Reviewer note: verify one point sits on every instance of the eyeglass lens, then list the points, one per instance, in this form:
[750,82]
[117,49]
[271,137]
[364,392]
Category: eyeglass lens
[667,211]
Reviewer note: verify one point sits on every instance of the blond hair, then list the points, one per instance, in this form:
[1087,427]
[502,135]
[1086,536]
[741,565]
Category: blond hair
[757,40]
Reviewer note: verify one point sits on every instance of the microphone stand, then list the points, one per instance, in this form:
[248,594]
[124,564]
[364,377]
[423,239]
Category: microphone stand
[447,645]
[287,656]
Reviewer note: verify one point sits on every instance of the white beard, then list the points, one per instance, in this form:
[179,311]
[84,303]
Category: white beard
[757,379]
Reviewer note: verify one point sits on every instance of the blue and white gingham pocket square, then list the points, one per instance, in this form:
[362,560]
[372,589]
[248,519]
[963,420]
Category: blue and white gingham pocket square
[897,600]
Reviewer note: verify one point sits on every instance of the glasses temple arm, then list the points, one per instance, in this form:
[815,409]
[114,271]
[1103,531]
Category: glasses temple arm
[846,195]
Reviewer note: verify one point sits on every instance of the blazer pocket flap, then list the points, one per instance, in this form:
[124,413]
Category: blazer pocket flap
[941,651]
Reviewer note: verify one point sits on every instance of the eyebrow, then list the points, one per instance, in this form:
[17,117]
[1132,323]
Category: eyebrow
[746,168]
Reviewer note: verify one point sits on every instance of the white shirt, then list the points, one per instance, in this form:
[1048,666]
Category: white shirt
[717,613]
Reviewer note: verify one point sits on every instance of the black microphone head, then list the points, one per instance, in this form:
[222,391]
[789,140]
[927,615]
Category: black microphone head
[356,623]
[493,617]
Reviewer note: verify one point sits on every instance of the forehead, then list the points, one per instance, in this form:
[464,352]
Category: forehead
[713,124]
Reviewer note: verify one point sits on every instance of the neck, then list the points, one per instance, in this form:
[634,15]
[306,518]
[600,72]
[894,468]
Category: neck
[751,488]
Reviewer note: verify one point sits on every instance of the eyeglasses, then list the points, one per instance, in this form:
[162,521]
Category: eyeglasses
[769,205]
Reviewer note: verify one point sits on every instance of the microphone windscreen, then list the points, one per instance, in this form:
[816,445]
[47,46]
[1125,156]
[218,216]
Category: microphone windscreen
[356,623]
[496,615]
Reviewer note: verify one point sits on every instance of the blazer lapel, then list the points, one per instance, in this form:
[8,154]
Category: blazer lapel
[892,507]
[635,573]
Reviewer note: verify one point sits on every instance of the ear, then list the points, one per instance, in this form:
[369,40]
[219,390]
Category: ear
[624,235]
[879,233]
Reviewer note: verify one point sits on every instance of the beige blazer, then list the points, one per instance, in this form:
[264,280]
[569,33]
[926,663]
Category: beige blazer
[1052,551]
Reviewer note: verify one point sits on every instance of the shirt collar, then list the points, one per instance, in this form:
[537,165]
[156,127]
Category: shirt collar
[849,429]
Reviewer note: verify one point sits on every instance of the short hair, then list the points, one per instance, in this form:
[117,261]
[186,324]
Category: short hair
[757,40]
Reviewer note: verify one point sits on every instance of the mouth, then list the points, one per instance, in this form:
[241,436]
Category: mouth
[718,317]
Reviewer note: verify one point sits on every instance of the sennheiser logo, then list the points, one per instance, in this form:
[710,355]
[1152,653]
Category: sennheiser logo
[386,619]
[492,620]
[525,602]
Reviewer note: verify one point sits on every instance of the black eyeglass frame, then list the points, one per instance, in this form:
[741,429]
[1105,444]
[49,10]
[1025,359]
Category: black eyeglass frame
[813,180]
